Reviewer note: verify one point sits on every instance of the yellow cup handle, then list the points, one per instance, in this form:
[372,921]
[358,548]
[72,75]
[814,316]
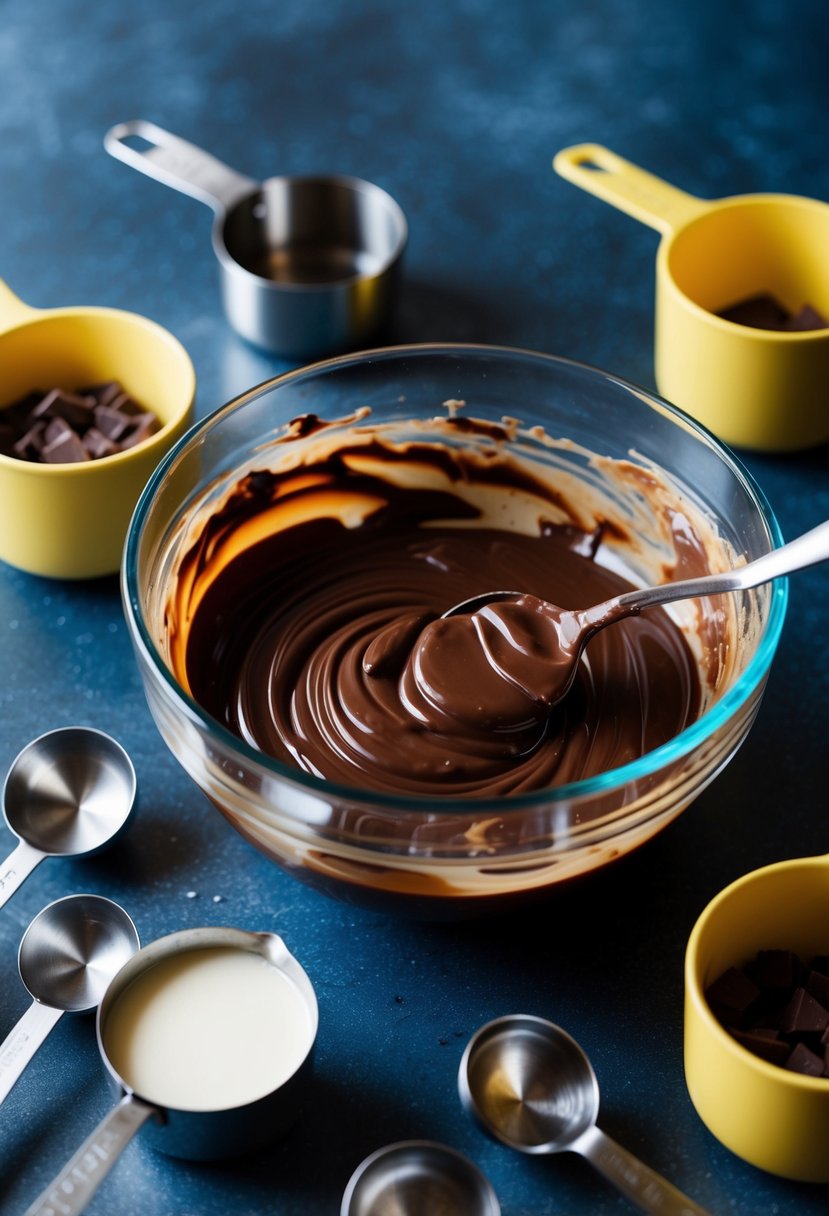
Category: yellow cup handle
[12,310]
[627,187]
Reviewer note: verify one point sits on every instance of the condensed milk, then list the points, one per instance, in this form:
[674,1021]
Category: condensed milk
[208,1029]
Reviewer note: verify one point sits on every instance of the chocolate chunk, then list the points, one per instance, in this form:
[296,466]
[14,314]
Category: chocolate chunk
[110,421]
[758,312]
[817,985]
[775,969]
[68,449]
[98,445]
[59,426]
[30,444]
[75,410]
[804,1015]
[143,425]
[764,1043]
[732,996]
[807,318]
[804,1060]
[764,311]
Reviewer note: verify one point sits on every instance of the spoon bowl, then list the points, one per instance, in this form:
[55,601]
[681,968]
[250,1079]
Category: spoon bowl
[418,1176]
[530,1085]
[563,633]
[68,793]
[67,957]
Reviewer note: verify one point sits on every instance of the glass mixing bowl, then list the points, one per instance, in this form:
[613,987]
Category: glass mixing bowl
[628,454]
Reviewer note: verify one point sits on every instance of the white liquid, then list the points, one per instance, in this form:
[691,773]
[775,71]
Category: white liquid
[208,1030]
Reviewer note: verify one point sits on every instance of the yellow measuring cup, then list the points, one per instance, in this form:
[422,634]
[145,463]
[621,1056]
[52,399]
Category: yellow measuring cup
[70,520]
[754,388]
[773,1118]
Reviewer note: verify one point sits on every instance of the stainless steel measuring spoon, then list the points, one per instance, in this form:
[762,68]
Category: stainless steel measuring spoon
[532,1087]
[417,1176]
[308,265]
[68,793]
[148,992]
[67,957]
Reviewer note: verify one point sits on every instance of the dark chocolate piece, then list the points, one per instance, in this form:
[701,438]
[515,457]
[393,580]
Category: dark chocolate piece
[804,1015]
[67,449]
[804,1060]
[775,969]
[764,311]
[817,984]
[764,1043]
[732,996]
[59,426]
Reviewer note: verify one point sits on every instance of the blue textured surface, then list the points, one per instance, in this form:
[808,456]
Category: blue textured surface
[457,109]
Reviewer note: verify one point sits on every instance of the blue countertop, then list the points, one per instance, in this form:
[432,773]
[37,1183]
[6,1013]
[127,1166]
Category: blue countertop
[456,109]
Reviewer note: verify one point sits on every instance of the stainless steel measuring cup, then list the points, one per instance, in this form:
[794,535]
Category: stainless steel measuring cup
[192,1130]
[308,265]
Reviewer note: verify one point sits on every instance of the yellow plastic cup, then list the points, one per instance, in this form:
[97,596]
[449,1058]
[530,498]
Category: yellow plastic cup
[70,520]
[757,389]
[774,1119]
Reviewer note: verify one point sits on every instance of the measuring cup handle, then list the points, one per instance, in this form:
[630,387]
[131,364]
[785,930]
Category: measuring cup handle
[21,1043]
[627,187]
[642,1185]
[12,310]
[179,164]
[80,1178]
[16,868]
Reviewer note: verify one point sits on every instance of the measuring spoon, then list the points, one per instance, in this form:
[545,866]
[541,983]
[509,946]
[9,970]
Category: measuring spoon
[67,794]
[417,1176]
[532,1087]
[566,632]
[67,957]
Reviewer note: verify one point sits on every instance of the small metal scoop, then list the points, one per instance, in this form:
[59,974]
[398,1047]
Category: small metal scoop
[418,1176]
[573,628]
[67,957]
[308,265]
[67,794]
[532,1087]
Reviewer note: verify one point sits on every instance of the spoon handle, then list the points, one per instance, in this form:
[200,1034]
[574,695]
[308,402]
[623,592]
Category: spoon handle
[70,1192]
[642,1185]
[21,1043]
[16,868]
[806,550]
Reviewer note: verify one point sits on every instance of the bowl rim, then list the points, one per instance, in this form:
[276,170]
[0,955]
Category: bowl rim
[672,750]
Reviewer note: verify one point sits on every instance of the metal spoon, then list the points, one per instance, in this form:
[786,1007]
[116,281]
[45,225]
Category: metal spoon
[573,628]
[67,957]
[532,1087]
[67,794]
[414,1177]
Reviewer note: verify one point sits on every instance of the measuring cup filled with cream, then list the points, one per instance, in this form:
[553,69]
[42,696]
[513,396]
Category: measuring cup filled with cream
[208,1034]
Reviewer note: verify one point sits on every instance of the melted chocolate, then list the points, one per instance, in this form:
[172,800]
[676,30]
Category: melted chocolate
[304,619]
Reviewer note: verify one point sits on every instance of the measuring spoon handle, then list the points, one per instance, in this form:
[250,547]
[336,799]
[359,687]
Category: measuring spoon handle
[21,1043]
[70,1192]
[16,868]
[642,1185]
[177,163]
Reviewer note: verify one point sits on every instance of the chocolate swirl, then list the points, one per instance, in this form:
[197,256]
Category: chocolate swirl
[298,609]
